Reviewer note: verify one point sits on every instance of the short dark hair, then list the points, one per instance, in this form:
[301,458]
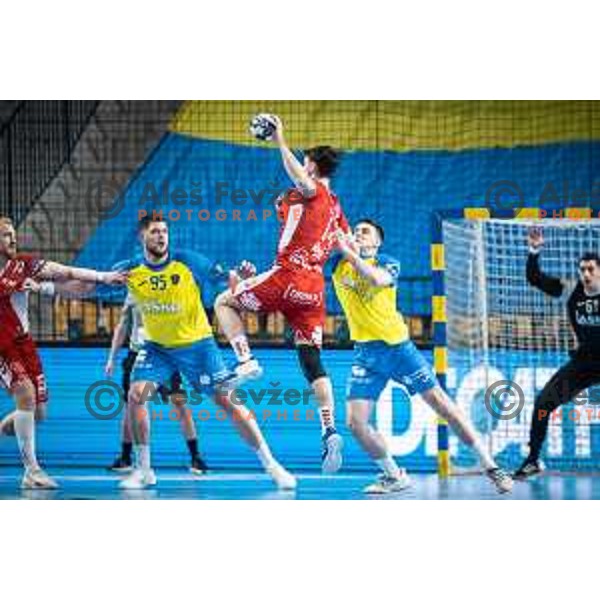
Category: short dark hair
[147,220]
[591,256]
[326,158]
[377,226]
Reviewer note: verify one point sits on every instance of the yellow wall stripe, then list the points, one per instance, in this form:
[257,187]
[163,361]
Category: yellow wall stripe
[401,125]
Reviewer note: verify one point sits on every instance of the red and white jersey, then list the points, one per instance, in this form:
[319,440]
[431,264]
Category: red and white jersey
[308,230]
[14,319]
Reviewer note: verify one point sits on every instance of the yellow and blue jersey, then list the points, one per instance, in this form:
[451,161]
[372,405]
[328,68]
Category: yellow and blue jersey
[370,310]
[168,296]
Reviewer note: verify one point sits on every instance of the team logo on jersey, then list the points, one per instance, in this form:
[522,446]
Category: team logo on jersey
[593,320]
[303,298]
[157,308]
[175,279]
[358,372]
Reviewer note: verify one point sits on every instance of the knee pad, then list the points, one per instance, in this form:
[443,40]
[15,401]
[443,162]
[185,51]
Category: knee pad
[310,361]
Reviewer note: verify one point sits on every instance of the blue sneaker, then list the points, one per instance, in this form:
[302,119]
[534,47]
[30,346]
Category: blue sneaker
[332,451]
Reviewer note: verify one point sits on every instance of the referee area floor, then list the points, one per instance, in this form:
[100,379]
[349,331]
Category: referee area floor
[93,484]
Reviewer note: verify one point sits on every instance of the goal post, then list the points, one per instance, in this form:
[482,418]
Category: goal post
[497,340]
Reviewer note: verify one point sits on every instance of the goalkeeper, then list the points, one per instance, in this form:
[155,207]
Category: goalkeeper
[581,372]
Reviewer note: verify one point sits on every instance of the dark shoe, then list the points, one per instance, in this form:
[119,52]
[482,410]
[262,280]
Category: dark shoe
[198,466]
[530,468]
[121,465]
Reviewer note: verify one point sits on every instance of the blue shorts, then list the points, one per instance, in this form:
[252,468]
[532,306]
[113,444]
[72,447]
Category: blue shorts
[375,363]
[201,364]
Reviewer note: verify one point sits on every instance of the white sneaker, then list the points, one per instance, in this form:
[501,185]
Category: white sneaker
[389,485]
[331,457]
[36,479]
[248,370]
[284,479]
[501,479]
[138,480]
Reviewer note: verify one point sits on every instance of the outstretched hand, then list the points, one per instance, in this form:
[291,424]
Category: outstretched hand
[31,285]
[278,133]
[115,278]
[536,238]
[345,242]
[246,269]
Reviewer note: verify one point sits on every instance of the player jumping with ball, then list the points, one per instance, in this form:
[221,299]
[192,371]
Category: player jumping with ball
[365,283]
[581,372]
[295,285]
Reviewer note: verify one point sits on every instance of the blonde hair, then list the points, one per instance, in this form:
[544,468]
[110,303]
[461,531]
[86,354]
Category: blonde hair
[6,221]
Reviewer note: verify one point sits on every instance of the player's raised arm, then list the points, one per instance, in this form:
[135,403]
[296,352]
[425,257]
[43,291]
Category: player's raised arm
[376,276]
[52,271]
[552,286]
[305,184]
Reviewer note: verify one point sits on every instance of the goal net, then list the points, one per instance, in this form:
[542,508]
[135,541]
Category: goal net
[505,338]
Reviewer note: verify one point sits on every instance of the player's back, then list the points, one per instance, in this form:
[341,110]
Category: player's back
[308,230]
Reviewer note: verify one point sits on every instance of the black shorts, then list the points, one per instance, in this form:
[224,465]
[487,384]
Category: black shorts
[175,384]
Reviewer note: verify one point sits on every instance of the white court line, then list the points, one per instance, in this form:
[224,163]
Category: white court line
[195,478]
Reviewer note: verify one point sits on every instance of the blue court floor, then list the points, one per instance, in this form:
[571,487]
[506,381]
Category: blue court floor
[92,484]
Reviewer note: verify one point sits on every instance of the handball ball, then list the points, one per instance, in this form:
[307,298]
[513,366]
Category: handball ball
[262,127]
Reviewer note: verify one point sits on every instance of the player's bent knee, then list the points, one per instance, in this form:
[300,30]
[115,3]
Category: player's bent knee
[221,299]
[139,392]
[352,423]
[356,423]
[310,362]
[24,394]
[226,298]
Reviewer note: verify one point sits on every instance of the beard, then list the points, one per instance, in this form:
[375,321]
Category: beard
[156,253]
[9,252]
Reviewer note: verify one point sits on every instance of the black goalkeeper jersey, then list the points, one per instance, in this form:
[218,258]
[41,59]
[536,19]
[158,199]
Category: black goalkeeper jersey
[584,314]
[583,310]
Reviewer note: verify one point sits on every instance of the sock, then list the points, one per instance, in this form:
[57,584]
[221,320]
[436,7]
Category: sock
[126,448]
[327,418]
[193,447]
[143,456]
[25,432]
[265,456]
[487,462]
[388,465]
[241,348]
